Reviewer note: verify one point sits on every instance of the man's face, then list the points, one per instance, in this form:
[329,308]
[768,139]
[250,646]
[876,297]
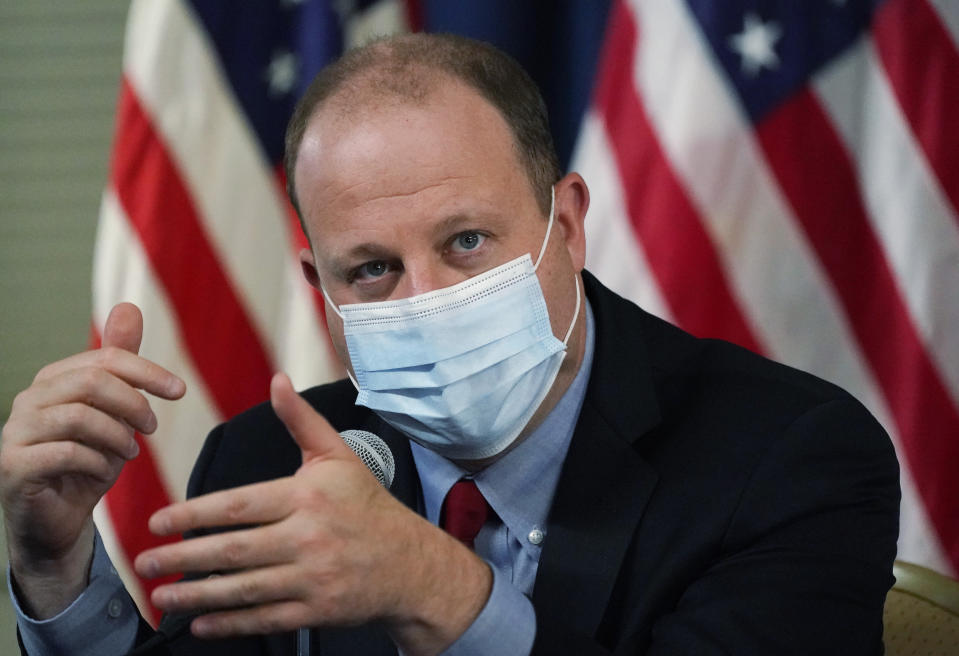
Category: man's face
[401,199]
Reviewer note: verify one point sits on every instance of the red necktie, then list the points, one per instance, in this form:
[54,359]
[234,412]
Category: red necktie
[464,512]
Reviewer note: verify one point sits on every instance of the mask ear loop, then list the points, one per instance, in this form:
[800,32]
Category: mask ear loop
[549,226]
[575,312]
[353,380]
[542,250]
[329,303]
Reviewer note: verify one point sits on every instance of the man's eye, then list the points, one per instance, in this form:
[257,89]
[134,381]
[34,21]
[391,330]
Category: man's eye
[468,241]
[373,269]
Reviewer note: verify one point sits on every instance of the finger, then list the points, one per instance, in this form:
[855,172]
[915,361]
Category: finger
[99,389]
[258,503]
[56,459]
[237,590]
[222,552]
[265,619]
[128,367]
[84,424]
[124,327]
[310,430]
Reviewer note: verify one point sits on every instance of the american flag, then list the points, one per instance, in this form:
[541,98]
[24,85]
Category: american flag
[781,174]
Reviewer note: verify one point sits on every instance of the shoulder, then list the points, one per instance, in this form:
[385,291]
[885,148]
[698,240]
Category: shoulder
[685,376]
[711,415]
[729,421]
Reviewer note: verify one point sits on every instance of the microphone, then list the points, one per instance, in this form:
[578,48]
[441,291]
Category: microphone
[377,457]
[373,452]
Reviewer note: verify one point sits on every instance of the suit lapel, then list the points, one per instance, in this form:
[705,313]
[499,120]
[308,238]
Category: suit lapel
[605,484]
[601,495]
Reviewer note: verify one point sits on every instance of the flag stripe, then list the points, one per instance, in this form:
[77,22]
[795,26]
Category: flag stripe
[911,32]
[679,251]
[905,205]
[821,185]
[414,15]
[612,253]
[153,196]
[121,272]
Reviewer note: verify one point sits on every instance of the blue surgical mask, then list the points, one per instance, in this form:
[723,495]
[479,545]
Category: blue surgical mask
[462,369]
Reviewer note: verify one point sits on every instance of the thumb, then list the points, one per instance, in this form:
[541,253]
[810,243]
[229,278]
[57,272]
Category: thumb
[312,433]
[124,327]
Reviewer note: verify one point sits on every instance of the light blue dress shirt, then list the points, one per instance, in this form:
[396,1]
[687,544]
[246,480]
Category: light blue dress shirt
[519,487]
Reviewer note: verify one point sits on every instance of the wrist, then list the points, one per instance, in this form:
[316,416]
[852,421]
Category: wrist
[449,592]
[46,586]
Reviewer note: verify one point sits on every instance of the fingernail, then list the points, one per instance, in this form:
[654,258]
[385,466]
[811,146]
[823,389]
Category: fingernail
[201,628]
[150,424]
[176,386]
[133,450]
[166,596]
[149,567]
[159,523]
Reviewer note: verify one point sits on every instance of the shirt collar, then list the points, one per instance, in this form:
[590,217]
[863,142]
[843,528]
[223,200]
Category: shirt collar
[520,485]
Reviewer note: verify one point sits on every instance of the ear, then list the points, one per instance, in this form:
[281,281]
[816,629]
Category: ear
[572,201]
[308,264]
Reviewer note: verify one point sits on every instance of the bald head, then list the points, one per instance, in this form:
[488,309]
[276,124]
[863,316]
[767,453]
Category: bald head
[408,69]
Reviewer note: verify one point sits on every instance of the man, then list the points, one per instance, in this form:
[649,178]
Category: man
[649,492]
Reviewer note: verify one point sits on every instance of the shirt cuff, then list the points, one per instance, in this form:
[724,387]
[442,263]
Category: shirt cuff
[102,620]
[506,625]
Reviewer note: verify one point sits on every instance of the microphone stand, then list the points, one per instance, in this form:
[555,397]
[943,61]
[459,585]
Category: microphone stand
[303,642]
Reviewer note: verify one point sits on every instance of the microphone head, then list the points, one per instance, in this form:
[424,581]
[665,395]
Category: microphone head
[373,452]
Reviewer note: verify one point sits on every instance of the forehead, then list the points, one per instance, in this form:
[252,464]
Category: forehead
[450,147]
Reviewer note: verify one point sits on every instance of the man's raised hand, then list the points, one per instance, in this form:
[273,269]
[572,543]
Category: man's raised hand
[63,447]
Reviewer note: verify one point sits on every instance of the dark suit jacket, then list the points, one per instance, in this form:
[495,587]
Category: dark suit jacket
[712,502]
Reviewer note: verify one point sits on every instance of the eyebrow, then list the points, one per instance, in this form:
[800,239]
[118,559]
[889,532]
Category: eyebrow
[455,221]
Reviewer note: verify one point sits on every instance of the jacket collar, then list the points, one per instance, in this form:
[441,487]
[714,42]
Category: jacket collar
[621,385]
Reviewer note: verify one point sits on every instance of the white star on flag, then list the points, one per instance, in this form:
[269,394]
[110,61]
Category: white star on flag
[281,73]
[755,44]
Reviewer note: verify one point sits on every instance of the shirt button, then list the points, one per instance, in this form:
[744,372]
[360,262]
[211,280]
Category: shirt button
[535,536]
[114,608]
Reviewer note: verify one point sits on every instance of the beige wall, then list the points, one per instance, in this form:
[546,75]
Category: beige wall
[59,73]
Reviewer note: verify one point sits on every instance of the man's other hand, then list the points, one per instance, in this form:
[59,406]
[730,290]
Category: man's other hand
[329,546]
